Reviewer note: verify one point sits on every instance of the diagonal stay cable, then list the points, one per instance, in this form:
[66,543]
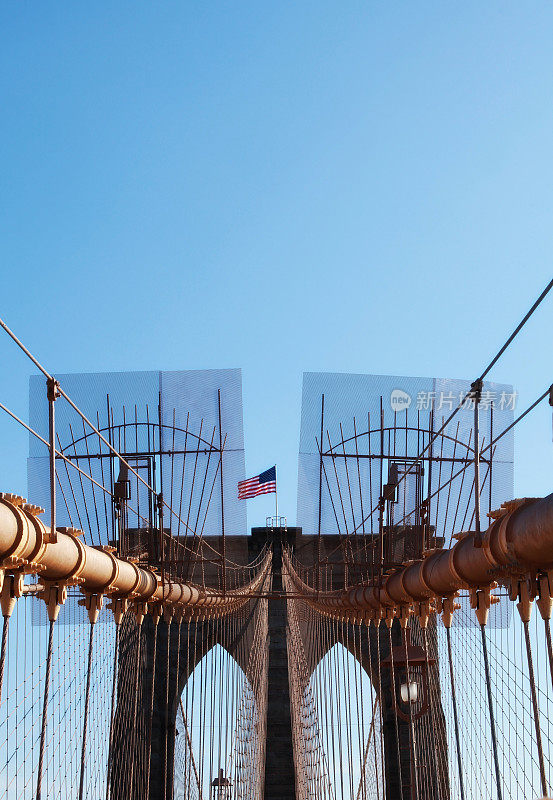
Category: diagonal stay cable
[491,446]
[64,458]
[85,419]
[470,392]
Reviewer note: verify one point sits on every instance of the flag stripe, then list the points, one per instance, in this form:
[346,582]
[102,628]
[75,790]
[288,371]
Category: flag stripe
[246,495]
[264,483]
[265,487]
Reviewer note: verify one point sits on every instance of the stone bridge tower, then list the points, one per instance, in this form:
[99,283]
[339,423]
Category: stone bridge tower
[129,784]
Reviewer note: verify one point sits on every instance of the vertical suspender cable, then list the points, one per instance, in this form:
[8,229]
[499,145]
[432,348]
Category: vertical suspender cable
[379,697]
[155,619]
[177,696]
[490,706]
[414,766]
[535,706]
[38,794]
[394,701]
[86,705]
[455,716]
[432,723]
[112,714]
[377,622]
[133,737]
[168,620]
[3,651]
[549,646]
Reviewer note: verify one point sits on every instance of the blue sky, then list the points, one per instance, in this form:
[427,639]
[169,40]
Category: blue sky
[359,186]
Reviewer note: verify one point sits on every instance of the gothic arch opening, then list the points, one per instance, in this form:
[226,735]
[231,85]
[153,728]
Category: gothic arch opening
[220,733]
[341,710]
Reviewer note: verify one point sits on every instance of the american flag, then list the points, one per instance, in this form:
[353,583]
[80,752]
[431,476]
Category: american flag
[265,483]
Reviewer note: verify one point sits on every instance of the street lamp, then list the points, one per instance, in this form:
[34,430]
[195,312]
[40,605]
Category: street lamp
[410,692]
[220,787]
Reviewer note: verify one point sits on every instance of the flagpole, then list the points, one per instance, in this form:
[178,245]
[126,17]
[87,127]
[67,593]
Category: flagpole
[276,499]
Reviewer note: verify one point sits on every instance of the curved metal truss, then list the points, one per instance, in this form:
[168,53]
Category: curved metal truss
[168,461]
[394,491]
